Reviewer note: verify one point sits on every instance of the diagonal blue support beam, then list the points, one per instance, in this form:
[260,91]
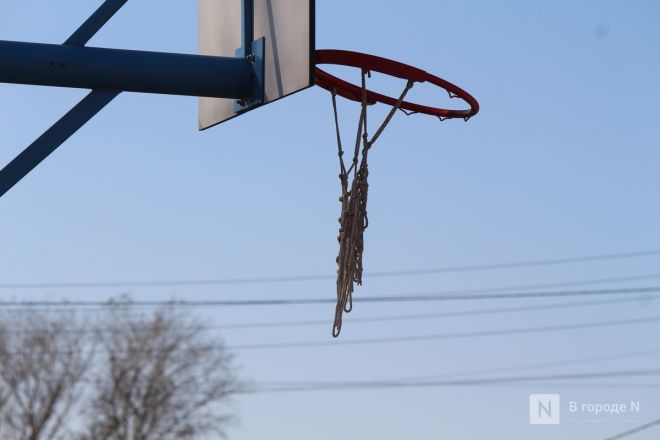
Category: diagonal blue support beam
[95,22]
[54,137]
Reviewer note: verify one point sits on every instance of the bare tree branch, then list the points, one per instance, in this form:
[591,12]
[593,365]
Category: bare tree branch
[161,378]
[42,367]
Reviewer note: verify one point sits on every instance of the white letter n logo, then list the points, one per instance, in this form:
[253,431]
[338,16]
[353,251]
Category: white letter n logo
[544,409]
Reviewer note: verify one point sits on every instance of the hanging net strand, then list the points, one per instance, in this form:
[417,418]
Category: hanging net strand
[353,220]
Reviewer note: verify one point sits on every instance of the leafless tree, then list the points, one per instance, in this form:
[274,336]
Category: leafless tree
[160,377]
[42,367]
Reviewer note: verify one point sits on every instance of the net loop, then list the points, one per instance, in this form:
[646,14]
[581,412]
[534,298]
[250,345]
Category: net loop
[408,113]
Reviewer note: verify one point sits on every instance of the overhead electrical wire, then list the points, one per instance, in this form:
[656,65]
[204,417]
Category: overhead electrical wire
[420,297]
[407,317]
[507,369]
[423,316]
[547,364]
[596,385]
[633,431]
[446,336]
[449,336]
[362,385]
[317,277]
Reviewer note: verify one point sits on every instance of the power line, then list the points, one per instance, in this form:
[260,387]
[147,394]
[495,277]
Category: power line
[522,286]
[514,295]
[318,277]
[408,317]
[422,316]
[362,385]
[422,297]
[20,306]
[508,369]
[635,430]
[457,335]
[535,366]
[572,385]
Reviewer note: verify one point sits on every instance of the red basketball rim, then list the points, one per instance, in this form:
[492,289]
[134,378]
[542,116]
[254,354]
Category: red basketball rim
[392,68]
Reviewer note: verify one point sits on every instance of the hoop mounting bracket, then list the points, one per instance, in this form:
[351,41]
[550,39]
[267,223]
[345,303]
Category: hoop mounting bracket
[256,57]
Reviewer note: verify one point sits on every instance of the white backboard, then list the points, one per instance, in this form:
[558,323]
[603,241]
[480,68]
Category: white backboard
[288,28]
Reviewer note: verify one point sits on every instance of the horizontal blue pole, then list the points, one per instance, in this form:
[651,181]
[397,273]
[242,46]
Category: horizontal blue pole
[124,70]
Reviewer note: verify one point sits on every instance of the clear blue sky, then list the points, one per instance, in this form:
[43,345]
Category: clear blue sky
[561,161]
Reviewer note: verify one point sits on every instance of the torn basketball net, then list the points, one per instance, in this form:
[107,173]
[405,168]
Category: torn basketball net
[353,219]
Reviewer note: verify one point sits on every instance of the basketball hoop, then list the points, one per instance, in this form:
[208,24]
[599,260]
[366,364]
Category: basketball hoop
[372,63]
[353,219]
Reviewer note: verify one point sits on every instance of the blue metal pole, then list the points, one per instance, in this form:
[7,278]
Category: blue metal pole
[124,70]
[95,22]
[53,138]
[248,26]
